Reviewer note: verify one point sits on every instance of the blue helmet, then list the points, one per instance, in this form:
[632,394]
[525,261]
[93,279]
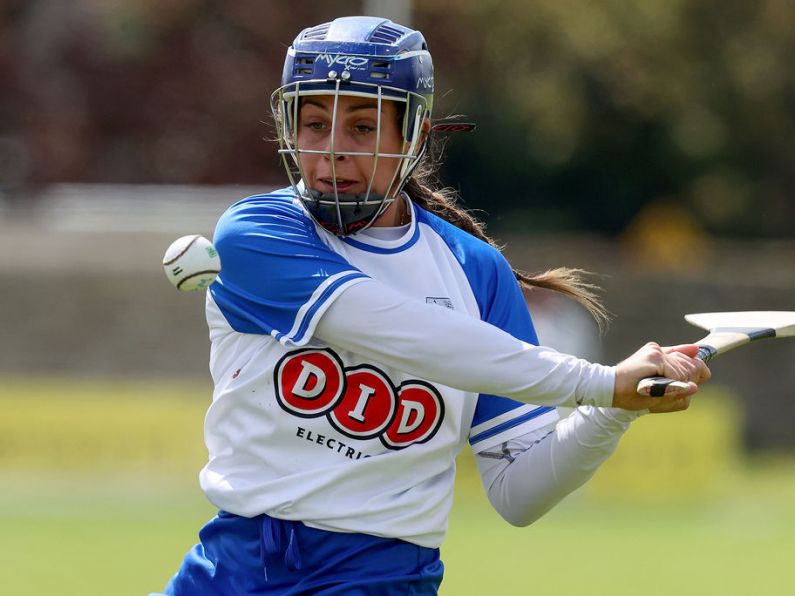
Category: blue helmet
[355,56]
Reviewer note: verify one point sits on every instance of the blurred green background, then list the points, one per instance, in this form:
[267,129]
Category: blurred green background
[649,142]
[99,497]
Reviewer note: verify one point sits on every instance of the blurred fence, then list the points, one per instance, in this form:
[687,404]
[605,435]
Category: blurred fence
[83,294]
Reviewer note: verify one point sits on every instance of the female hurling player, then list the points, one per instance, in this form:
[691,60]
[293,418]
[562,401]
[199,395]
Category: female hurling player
[363,330]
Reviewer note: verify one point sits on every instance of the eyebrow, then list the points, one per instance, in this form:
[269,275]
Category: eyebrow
[359,106]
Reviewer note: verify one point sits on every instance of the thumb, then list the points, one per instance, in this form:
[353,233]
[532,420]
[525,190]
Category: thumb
[686,349]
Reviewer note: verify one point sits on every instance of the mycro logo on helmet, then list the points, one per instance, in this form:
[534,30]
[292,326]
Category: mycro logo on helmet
[347,62]
[361,402]
[425,82]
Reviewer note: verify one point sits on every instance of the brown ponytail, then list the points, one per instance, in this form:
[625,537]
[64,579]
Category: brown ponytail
[562,279]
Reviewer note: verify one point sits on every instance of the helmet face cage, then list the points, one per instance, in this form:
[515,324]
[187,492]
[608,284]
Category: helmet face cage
[361,57]
[341,213]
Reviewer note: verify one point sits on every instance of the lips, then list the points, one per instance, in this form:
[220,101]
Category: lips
[344,185]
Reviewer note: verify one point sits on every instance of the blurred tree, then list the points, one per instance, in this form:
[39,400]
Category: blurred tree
[168,91]
[587,110]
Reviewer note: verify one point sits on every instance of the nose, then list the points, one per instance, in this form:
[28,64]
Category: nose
[336,143]
[337,157]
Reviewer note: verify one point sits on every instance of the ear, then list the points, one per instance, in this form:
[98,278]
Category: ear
[425,130]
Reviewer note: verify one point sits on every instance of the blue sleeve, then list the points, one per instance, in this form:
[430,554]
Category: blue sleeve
[503,305]
[277,275]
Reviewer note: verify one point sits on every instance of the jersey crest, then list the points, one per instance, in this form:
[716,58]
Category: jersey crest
[441,301]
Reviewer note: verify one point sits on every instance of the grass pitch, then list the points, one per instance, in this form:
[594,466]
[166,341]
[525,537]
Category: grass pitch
[99,496]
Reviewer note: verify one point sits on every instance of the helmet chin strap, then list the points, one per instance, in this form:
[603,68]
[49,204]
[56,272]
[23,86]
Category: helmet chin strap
[345,213]
[348,199]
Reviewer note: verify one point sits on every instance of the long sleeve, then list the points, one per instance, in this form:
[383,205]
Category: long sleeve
[525,477]
[446,347]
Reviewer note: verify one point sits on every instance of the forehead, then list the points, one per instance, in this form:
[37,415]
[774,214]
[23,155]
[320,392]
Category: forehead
[346,103]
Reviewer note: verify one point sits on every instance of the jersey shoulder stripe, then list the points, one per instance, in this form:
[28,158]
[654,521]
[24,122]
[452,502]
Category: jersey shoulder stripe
[310,312]
[517,417]
[277,274]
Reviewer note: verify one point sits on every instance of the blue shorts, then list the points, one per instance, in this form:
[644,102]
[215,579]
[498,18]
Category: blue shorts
[263,555]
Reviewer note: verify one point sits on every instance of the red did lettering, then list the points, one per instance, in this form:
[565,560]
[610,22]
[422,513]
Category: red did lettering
[420,413]
[309,382]
[360,402]
[368,405]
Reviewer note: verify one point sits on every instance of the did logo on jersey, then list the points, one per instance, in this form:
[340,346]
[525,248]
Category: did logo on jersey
[360,402]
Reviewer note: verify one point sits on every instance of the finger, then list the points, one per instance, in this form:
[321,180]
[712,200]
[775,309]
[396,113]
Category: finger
[687,349]
[703,373]
[686,368]
[676,404]
[678,367]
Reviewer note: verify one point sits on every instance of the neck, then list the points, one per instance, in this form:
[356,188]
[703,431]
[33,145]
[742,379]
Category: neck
[397,214]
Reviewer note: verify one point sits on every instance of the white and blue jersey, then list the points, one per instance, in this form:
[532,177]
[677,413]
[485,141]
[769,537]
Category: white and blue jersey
[301,429]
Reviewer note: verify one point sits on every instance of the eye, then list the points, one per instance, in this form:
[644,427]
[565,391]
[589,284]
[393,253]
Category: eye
[364,128]
[315,125]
